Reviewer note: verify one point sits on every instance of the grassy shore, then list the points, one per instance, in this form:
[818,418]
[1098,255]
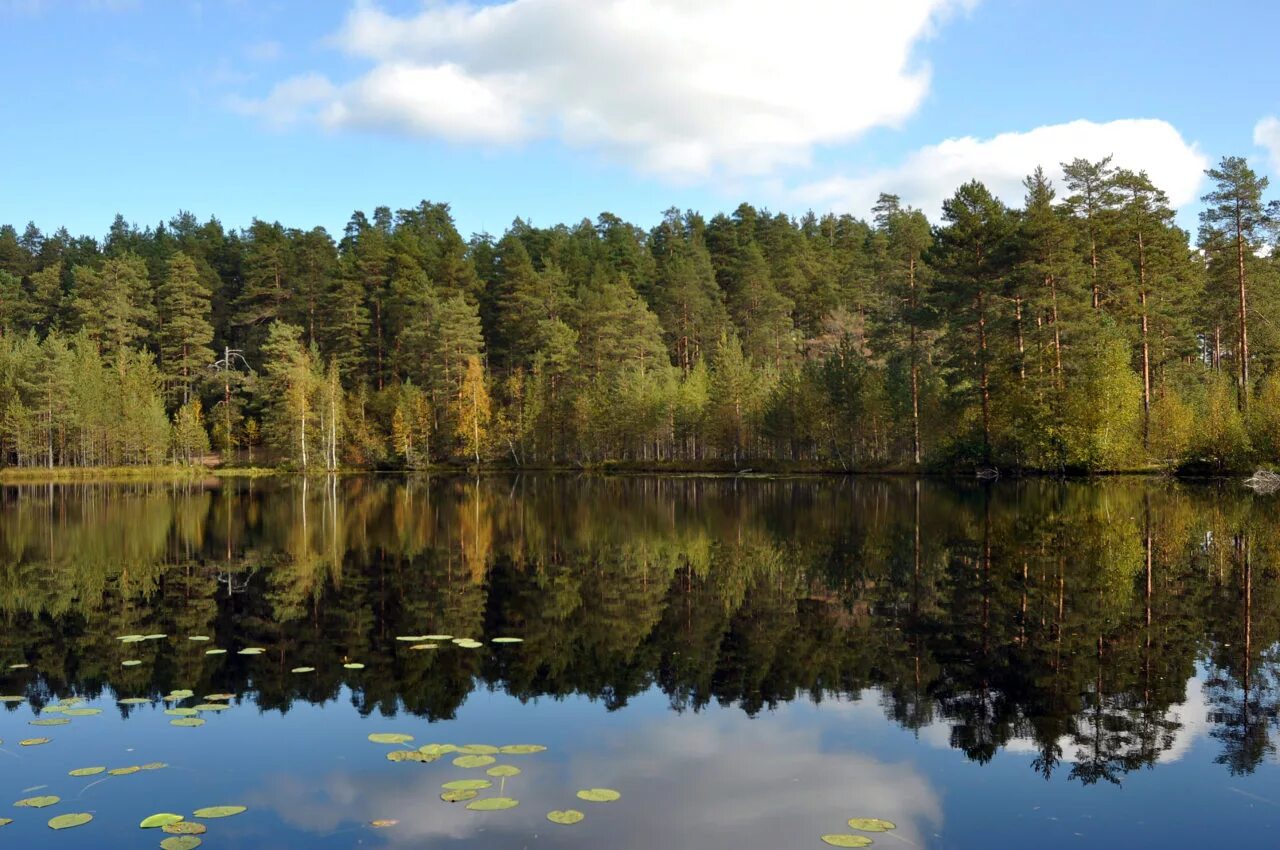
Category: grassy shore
[166,472]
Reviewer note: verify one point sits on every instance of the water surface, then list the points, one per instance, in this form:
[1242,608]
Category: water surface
[750,663]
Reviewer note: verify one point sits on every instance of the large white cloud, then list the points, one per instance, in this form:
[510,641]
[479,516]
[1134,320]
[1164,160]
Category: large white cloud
[680,88]
[1266,135]
[931,174]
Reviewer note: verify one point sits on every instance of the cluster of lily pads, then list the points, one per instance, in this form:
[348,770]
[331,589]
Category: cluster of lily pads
[474,756]
[420,642]
[861,825]
[185,834]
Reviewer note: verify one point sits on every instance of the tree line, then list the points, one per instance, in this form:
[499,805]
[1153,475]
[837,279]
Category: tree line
[1083,330]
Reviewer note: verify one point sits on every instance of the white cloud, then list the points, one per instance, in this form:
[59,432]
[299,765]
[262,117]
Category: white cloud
[931,174]
[289,101]
[1266,134]
[679,88]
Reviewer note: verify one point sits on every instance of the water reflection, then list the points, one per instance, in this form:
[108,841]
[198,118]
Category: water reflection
[1060,621]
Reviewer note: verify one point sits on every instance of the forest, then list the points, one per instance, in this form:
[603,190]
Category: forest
[1083,331]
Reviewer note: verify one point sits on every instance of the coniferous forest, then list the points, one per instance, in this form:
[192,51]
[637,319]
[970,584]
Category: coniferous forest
[1081,331]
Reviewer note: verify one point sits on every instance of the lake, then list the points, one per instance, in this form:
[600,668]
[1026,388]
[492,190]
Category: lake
[747,663]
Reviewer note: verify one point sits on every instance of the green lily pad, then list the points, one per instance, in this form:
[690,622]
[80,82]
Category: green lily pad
[474,761]
[407,755]
[67,702]
[155,765]
[467,785]
[19,666]
[871,824]
[131,638]
[82,712]
[11,699]
[459,796]
[567,817]
[132,662]
[211,706]
[34,742]
[842,840]
[437,637]
[521,749]
[123,771]
[5,821]
[599,795]
[181,842]
[181,712]
[70,821]
[162,819]
[411,638]
[198,638]
[49,721]
[87,771]
[503,770]
[155,637]
[468,644]
[477,750]
[38,802]
[507,640]
[354,665]
[251,650]
[219,697]
[215,652]
[184,693]
[303,670]
[187,722]
[418,647]
[492,804]
[437,750]
[133,701]
[185,827]
[390,738]
[219,812]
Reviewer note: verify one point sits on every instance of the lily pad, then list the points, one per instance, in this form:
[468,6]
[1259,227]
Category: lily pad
[5,821]
[871,824]
[123,771]
[567,817]
[411,638]
[354,665]
[70,821]
[187,722]
[459,796]
[133,701]
[215,652]
[219,812]
[185,827]
[467,785]
[131,638]
[844,840]
[155,637]
[34,742]
[492,804]
[303,670]
[503,770]
[390,738]
[437,750]
[132,662]
[407,755]
[507,640]
[181,842]
[521,749]
[154,765]
[219,697]
[477,750]
[11,698]
[82,712]
[474,761]
[185,693]
[599,795]
[162,819]
[437,637]
[198,638]
[383,823]
[49,721]
[181,712]
[211,706]
[38,802]
[421,646]
[19,666]
[468,644]
[251,650]
[87,771]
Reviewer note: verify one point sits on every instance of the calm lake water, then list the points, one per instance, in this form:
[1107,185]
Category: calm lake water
[749,663]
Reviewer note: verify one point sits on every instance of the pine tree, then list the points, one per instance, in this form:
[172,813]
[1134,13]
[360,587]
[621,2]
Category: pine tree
[184,330]
[113,303]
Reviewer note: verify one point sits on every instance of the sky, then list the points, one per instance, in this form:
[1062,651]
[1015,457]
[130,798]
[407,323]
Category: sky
[553,111]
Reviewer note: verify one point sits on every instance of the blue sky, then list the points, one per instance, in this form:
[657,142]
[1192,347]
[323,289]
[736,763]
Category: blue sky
[556,110]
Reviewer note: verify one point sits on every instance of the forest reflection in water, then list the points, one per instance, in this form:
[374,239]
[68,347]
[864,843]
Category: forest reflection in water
[1072,621]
